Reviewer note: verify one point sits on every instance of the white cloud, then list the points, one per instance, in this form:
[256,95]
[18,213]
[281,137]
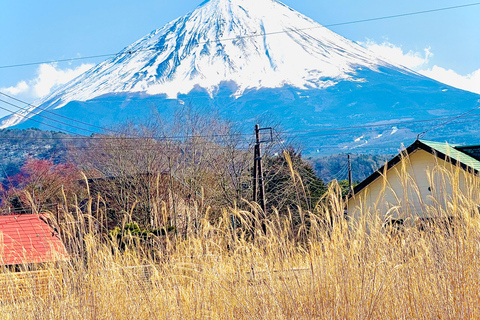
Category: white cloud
[470,82]
[48,77]
[418,61]
[395,54]
[20,88]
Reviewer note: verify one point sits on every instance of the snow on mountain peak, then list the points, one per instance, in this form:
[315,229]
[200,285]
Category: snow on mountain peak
[252,43]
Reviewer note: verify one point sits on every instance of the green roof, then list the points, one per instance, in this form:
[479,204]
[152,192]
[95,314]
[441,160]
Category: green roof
[450,151]
[443,150]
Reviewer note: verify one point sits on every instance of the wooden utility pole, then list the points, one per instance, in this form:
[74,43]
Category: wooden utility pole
[350,179]
[255,173]
[173,196]
[261,185]
[258,179]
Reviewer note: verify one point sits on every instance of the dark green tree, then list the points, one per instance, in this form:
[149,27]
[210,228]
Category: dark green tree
[291,182]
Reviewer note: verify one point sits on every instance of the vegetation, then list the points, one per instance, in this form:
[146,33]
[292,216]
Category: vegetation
[335,167]
[328,268]
[165,230]
[17,146]
[291,182]
[40,184]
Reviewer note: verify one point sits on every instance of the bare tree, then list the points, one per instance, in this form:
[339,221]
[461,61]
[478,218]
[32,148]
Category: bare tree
[195,162]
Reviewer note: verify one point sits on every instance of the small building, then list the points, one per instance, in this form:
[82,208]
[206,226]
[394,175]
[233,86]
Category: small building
[27,243]
[417,183]
[28,240]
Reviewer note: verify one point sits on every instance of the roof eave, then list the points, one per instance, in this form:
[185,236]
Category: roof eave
[414,146]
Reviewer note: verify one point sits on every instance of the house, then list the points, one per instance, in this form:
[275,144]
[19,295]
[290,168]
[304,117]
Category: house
[27,242]
[28,239]
[418,183]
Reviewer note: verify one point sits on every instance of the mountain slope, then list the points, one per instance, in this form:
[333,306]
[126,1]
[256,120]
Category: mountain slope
[249,59]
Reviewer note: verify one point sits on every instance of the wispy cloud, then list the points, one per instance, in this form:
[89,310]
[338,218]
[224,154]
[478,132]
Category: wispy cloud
[20,88]
[48,77]
[469,82]
[418,61]
[392,53]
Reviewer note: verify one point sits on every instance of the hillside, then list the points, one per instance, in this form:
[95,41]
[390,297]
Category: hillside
[18,145]
[336,166]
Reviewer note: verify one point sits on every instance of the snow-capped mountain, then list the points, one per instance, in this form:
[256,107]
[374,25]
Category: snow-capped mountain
[248,58]
[254,43]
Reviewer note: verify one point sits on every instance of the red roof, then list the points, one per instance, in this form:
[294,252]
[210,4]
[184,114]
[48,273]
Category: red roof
[27,238]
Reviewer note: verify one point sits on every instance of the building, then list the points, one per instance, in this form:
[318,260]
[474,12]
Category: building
[418,183]
[28,240]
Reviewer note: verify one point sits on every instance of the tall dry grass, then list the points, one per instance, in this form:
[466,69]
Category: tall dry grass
[325,267]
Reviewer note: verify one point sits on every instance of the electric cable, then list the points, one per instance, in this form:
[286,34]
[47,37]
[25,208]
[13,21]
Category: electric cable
[129,51]
[53,113]
[139,145]
[43,117]
[34,120]
[420,135]
[287,133]
[171,139]
[341,172]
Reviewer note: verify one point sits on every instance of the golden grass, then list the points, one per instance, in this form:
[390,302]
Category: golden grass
[326,268]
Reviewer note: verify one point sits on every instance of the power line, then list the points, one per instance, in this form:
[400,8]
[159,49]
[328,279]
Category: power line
[404,14]
[288,134]
[124,143]
[218,40]
[34,120]
[53,113]
[146,146]
[111,149]
[129,52]
[292,134]
[341,173]
[358,127]
[285,133]
[44,117]
[414,123]
[57,60]
[447,122]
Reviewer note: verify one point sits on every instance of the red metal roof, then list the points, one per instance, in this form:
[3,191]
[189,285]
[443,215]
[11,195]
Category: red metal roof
[27,238]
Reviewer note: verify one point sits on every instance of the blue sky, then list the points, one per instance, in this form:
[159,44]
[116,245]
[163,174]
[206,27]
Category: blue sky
[444,45]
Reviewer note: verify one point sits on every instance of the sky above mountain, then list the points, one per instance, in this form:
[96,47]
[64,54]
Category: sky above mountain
[443,45]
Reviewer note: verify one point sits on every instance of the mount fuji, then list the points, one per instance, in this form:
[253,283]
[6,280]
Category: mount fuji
[249,60]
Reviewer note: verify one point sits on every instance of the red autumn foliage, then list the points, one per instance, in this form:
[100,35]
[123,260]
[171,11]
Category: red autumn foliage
[43,181]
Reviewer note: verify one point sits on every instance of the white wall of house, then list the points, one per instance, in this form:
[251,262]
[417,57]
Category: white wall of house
[418,186]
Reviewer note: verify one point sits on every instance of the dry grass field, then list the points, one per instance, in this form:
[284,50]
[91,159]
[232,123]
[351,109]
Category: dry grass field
[325,267]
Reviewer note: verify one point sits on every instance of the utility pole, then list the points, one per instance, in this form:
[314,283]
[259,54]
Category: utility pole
[255,173]
[261,185]
[350,179]
[258,180]
[149,208]
[173,196]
